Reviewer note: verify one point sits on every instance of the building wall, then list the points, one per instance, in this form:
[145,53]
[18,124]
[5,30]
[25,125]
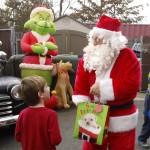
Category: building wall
[66,23]
[132,31]
[5,36]
[70,41]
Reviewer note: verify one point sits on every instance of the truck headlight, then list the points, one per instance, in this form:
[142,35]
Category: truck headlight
[14,92]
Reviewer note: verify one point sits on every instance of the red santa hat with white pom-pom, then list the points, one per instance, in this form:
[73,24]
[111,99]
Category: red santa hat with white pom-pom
[108,23]
[39,9]
[108,30]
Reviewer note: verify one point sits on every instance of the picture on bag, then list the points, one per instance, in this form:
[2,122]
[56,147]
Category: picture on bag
[88,128]
[91,125]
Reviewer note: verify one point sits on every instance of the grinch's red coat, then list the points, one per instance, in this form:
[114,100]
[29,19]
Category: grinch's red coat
[119,86]
[27,41]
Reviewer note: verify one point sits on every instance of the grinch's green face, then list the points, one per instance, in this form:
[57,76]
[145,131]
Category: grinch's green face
[41,23]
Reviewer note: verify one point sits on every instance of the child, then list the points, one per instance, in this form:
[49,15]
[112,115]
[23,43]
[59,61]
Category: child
[37,127]
[145,132]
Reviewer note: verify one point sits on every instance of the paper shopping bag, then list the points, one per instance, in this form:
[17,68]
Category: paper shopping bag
[91,123]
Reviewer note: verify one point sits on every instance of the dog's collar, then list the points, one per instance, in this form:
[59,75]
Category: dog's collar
[62,72]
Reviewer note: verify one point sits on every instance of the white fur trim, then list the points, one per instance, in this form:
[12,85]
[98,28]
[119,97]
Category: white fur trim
[107,92]
[123,123]
[45,51]
[42,60]
[36,66]
[107,86]
[38,9]
[103,33]
[80,99]
[41,38]
[114,39]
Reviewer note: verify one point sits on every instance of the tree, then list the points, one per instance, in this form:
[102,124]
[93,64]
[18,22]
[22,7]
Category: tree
[17,12]
[3,18]
[90,10]
[61,7]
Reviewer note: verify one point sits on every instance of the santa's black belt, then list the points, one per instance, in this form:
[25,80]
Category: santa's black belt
[123,106]
[48,56]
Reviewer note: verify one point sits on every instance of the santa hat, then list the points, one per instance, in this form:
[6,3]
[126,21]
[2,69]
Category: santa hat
[108,29]
[41,8]
[109,23]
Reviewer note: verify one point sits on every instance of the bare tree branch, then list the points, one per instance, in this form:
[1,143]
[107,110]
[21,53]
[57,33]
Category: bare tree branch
[91,10]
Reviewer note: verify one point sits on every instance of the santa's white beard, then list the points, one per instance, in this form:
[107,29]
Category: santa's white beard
[99,57]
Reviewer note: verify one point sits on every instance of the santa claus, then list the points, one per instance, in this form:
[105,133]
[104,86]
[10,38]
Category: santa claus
[110,71]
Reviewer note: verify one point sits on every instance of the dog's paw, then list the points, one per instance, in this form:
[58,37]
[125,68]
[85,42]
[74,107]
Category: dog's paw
[66,106]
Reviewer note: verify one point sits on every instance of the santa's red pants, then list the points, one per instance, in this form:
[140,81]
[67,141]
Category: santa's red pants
[116,141]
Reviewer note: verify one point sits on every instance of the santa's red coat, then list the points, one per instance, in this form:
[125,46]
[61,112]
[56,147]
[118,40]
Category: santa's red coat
[119,86]
[28,40]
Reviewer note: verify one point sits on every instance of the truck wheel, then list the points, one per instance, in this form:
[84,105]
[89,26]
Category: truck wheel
[12,128]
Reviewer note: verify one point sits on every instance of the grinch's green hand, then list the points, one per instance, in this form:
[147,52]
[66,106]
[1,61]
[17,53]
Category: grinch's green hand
[38,48]
[51,46]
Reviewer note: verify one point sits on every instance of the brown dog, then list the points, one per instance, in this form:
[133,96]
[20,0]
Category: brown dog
[63,87]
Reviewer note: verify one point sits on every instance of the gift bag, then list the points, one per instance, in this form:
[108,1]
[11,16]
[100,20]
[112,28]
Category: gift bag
[91,122]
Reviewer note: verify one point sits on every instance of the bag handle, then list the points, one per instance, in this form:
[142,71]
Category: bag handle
[98,108]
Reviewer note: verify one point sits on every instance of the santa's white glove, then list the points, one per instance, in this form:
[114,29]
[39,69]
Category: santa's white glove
[80,99]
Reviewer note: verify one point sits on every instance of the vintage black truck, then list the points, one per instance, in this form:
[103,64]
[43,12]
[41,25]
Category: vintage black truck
[10,104]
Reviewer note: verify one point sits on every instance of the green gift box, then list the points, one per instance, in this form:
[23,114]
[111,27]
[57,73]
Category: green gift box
[44,71]
[91,125]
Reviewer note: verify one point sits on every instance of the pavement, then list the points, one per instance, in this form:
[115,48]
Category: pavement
[140,96]
[66,119]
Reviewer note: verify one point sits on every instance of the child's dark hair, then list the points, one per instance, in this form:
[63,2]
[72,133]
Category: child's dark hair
[29,88]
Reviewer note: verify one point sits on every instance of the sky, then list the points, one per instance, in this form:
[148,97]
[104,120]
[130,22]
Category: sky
[145,12]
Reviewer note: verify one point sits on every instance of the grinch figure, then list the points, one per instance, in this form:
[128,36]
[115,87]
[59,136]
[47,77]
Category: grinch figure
[38,44]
